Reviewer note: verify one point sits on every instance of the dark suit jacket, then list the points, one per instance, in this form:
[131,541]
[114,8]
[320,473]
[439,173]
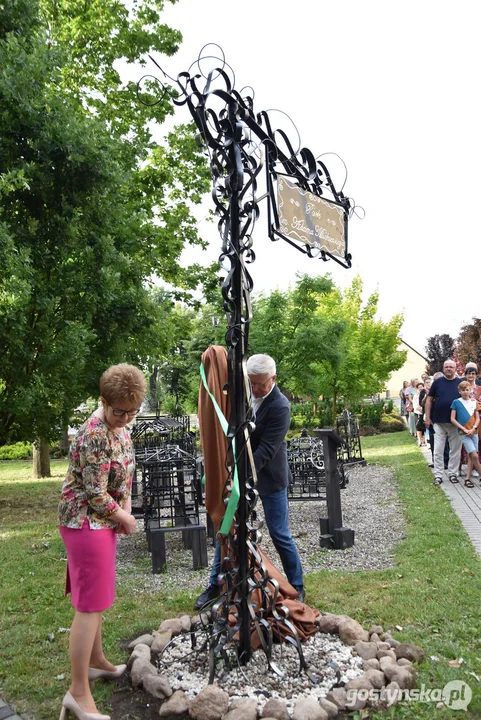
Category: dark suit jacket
[269,443]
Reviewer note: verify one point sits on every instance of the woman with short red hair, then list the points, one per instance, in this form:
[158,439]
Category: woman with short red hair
[94,507]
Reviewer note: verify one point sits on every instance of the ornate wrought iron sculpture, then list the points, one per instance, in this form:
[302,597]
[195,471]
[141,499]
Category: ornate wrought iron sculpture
[347,427]
[305,455]
[240,143]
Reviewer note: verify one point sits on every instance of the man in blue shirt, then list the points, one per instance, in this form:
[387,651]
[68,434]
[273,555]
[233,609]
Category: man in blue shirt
[438,411]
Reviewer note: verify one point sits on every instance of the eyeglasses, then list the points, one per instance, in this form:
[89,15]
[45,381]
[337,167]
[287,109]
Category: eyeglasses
[263,385]
[120,413]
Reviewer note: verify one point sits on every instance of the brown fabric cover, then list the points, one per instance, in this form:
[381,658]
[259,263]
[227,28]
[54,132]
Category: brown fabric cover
[285,587]
[214,447]
[212,438]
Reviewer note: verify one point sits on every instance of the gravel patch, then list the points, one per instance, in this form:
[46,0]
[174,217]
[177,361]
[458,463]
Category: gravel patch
[328,659]
[370,506]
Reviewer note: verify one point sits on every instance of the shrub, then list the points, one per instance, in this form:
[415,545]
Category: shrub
[302,414]
[297,421]
[369,430]
[57,452]
[371,414]
[325,417]
[389,407]
[18,451]
[391,424]
[171,405]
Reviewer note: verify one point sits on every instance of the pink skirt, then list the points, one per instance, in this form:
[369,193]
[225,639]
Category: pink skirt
[90,567]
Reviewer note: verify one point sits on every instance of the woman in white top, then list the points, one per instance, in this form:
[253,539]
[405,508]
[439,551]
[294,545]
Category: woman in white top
[419,415]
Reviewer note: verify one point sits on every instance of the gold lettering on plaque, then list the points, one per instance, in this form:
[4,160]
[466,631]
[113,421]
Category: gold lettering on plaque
[308,219]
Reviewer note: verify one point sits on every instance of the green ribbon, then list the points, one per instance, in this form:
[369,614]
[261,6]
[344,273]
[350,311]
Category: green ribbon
[235,493]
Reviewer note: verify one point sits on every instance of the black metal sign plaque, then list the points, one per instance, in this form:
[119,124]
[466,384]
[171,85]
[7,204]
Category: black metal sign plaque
[310,221]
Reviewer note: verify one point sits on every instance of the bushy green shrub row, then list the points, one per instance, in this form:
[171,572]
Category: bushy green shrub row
[391,423]
[309,414]
[18,451]
[381,416]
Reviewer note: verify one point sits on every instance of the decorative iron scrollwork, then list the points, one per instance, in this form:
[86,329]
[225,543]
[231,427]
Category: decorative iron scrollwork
[240,143]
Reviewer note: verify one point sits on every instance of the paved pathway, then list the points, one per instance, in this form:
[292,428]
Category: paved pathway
[6,712]
[466,502]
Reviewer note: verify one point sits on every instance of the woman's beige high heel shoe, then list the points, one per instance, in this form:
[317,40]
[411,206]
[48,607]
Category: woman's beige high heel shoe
[95,674]
[69,704]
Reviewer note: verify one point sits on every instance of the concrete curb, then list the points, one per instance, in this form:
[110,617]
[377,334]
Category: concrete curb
[6,712]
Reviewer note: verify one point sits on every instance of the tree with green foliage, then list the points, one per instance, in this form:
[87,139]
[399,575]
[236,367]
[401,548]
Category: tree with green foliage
[438,349]
[327,342]
[287,326]
[367,351]
[468,343]
[168,381]
[178,372]
[90,207]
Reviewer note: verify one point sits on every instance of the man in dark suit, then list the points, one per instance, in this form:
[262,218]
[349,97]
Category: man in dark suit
[268,440]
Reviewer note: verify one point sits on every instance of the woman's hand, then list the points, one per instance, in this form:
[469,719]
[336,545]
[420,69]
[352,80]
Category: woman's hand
[126,522]
[129,524]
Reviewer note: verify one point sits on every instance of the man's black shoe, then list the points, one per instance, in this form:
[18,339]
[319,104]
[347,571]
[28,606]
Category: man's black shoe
[301,594]
[209,594]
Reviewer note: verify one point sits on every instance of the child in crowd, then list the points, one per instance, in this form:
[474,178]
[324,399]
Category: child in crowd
[466,417]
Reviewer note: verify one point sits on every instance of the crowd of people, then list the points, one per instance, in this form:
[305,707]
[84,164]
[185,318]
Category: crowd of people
[443,410]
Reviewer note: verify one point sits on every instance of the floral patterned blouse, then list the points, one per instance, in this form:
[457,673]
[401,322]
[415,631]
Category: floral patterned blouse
[99,477]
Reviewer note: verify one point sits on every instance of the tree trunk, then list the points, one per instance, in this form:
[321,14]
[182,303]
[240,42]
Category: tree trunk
[153,385]
[41,458]
[334,405]
[64,443]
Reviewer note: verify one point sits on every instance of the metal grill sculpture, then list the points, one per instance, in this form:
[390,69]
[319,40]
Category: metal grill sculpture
[305,455]
[160,430]
[347,427]
[151,434]
[240,143]
[170,488]
[171,492]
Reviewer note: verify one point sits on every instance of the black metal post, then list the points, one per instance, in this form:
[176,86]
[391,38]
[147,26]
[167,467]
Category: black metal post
[336,536]
[238,395]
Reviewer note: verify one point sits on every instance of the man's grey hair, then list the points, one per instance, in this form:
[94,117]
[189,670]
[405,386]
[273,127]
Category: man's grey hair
[261,365]
[437,375]
[450,360]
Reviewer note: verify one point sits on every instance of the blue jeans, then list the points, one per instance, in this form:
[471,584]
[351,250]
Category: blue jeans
[276,513]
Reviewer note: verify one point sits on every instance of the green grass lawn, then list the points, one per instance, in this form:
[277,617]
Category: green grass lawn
[433,593]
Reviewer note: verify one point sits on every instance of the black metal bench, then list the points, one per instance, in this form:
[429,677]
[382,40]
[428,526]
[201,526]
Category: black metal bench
[305,456]
[170,502]
[194,535]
